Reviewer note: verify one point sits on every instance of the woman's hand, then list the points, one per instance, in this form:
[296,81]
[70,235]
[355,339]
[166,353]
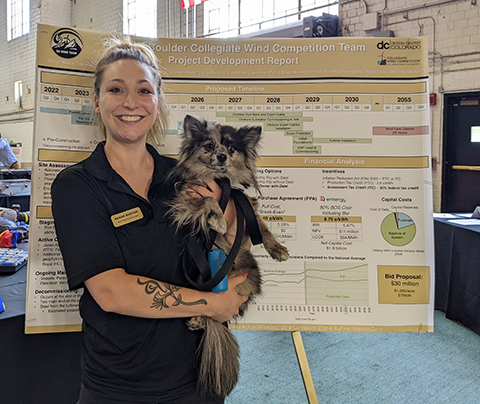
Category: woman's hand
[225,304]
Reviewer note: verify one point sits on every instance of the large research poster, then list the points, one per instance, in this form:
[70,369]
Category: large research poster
[344,169]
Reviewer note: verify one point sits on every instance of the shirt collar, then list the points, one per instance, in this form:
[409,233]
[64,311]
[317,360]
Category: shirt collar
[97,164]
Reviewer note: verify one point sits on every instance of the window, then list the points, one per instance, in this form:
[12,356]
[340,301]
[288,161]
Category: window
[18,18]
[18,93]
[227,18]
[140,18]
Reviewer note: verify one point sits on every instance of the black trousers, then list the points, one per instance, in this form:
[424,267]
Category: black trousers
[87,397]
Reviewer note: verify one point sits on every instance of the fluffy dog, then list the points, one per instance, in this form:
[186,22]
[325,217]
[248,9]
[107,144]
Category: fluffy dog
[211,152]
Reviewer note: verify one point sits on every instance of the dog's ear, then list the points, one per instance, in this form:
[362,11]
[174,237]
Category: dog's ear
[251,136]
[194,126]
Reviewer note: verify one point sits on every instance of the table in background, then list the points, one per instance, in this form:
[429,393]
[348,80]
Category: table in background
[457,271]
[6,201]
[15,186]
[35,368]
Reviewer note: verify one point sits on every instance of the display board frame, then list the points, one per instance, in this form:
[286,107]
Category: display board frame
[344,169]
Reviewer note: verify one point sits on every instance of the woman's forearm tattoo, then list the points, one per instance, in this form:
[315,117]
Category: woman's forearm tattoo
[162,292]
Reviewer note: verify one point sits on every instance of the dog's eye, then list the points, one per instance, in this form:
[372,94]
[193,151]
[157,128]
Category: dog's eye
[231,149]
[209,147]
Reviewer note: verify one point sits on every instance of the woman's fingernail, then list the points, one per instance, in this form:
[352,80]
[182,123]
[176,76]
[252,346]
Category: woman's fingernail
[189,185]
[245,276]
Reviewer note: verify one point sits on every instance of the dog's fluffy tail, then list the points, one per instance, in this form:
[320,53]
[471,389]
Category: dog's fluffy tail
[219,362]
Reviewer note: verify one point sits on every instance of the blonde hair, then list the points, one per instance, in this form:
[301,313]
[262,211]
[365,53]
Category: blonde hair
[124,48]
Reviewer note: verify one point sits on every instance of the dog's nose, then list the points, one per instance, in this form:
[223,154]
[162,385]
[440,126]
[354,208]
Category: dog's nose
[222,157]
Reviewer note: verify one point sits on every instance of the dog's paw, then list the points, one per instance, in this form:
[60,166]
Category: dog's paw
[196,323]
[278,252]
[244,289]
[217,223]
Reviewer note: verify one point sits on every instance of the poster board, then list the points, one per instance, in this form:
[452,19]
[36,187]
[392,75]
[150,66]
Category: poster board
[344,169]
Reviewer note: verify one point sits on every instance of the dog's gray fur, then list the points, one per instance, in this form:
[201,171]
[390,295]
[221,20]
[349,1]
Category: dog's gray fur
[210,152]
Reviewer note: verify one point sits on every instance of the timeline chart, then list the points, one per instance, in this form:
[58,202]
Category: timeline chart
[304,120]
[64,89]
[66,95]
[296,103]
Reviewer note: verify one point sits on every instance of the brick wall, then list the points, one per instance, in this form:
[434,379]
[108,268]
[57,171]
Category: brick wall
[105,15]
[18,64]
[453,32]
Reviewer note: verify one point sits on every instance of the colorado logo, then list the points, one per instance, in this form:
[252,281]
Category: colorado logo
[66,43]
[399,45]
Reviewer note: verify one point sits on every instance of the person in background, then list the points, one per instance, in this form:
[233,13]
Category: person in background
[120,246]
[7,157]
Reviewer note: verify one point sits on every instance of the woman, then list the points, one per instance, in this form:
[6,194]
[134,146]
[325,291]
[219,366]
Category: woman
[118,244]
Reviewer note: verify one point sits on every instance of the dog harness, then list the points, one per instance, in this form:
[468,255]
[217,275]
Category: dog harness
[198,250]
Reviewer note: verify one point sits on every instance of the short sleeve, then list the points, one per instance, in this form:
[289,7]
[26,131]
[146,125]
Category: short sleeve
[85,233]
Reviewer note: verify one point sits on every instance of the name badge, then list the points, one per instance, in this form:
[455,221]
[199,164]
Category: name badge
[129,216]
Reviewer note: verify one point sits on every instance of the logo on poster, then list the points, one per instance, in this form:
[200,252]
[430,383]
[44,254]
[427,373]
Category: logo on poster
[383,45]
[400,44]
[397,52]
[382,61]
[66,43]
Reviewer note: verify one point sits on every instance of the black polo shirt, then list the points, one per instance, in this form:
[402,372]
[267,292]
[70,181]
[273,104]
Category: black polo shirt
[102,224]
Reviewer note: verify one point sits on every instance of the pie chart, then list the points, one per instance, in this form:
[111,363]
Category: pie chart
[398,229]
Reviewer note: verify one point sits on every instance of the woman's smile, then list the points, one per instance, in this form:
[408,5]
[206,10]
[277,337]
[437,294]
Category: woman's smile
[130,118]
